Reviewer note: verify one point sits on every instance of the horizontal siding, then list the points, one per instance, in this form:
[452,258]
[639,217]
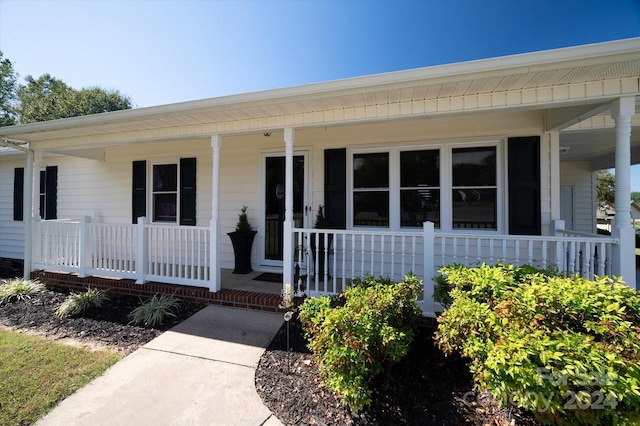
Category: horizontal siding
[580,176]
[11,232]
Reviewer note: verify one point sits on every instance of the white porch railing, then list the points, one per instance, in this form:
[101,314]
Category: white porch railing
[344,255]
[326,260]
[144,252]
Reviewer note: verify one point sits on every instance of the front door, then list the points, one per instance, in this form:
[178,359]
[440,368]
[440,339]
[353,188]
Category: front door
[274,198]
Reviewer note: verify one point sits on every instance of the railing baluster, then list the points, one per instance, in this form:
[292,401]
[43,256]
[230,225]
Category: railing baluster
[382,255]
[466,252]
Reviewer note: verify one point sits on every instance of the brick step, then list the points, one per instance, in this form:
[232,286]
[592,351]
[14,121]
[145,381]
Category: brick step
[226,297]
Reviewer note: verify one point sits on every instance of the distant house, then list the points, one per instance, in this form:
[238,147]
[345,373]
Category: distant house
[605,217]
[483,161]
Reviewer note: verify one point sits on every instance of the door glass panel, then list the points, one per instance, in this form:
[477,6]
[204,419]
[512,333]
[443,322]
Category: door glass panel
[275,199]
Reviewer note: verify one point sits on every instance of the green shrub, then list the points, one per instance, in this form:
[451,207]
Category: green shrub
[361,332]
[156,310]
[78,303]
[567,349]
[19,289]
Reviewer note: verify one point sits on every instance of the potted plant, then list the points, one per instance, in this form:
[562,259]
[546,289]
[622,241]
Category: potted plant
[242,240]
[320,223]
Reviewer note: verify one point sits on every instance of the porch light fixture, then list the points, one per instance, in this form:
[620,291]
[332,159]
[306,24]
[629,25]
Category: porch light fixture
[564,149]
[267,134]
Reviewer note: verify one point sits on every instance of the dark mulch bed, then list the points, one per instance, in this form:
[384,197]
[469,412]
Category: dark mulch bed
[105,327]
[426,388]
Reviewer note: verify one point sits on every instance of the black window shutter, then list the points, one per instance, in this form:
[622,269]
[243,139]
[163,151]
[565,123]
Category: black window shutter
[188,191]
[51,193]
[18,194]
[335,187]
[139,190]
[524,186]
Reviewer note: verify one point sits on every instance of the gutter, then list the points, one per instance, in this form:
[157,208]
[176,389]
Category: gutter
[27,206]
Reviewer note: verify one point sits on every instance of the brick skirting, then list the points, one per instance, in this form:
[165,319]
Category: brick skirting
[225,297]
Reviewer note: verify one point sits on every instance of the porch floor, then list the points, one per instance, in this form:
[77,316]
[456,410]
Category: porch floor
[247,282]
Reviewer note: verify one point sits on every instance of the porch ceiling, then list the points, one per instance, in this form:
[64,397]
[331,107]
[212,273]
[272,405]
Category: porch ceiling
[592,74]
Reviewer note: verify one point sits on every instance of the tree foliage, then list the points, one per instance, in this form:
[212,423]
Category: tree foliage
[48,98]
[635,196]
[8,88]
[605,189]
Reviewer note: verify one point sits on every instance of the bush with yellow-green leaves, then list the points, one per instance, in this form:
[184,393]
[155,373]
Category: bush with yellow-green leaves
[567,349]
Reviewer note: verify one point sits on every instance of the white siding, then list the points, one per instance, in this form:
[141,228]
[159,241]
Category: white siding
[580,176]
[11,232]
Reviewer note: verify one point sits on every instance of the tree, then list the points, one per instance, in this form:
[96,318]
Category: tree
[635,196]
[605,189]
[8,87]
[45,98]
[48,98]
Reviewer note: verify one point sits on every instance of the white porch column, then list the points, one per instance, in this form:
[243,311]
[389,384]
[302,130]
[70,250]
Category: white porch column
[214,227]
[27,215]
[554,158]
[624,254]
[287,256]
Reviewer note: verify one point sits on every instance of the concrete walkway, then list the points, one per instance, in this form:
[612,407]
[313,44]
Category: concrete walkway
[201,372]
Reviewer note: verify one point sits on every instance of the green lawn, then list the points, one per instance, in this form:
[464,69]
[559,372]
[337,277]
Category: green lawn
[36,374]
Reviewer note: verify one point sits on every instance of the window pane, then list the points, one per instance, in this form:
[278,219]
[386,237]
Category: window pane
[474,208]
[371,208]
[474,166]
[418,206]
[165,177]
[371,170]
[419,168]
[164,207]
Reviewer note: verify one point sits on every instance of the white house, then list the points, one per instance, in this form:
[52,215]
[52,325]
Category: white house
[471,162]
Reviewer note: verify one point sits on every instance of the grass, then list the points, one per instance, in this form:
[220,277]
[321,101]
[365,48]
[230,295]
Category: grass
[36,374]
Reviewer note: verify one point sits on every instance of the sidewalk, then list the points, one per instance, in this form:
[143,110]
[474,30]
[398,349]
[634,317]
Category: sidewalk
[201,372]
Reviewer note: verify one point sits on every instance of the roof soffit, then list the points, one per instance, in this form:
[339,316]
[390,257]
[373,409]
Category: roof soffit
[329,99]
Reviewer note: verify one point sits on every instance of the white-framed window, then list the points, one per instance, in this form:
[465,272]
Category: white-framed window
[456,186]
[164,192]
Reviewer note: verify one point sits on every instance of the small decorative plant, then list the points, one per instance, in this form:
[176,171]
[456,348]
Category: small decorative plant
[155,310]
[19,289]
[321,221]
[78,303]
[243,224]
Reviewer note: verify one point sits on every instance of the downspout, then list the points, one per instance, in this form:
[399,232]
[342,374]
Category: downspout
[27,214]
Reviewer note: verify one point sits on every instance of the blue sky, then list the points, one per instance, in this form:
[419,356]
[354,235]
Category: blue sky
[160,52]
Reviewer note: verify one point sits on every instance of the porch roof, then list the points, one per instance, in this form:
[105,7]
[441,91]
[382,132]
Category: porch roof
[572,85]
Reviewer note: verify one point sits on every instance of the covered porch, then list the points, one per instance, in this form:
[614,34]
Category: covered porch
[572,109]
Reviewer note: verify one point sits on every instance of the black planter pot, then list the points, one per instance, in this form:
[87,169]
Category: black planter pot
[242,242]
